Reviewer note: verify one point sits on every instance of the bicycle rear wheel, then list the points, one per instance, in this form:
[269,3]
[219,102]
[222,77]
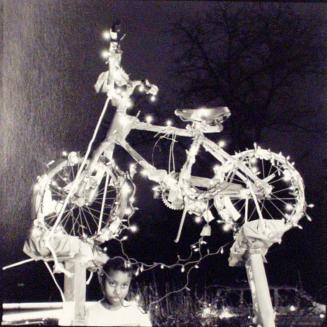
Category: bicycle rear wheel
[283,198]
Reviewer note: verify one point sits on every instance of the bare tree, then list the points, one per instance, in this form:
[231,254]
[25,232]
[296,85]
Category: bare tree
[257,60]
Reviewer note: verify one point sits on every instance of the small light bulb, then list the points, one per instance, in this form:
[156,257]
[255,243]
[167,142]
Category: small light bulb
[106,35]
[141,88]
[288,207]
[144,172]
[222,143]
[183,269]
[126,189]
[129,103]
[197,220]
[125,238]
[128,211]
[153,98]
[292,308]
[162,266]
[227,227]
[105,54]
[169,122]
[133,228]
[216,168]
[64,153]
[287,176]
[196,267]
[149,119]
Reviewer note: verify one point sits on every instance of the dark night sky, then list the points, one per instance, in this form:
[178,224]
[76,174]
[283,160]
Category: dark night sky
[66,35]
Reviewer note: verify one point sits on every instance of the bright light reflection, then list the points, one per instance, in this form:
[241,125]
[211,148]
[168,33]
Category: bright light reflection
[169,122]
[149,119]
[106,35]
[133,228]
[227,227]
[222,143]
[105,54]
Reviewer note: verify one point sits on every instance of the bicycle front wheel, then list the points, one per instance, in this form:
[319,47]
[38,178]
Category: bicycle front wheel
[93,205]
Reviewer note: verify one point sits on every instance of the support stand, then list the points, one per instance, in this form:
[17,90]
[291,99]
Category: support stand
[262,306]
[75,294]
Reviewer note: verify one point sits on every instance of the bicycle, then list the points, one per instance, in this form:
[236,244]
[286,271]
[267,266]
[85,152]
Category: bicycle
[90,197]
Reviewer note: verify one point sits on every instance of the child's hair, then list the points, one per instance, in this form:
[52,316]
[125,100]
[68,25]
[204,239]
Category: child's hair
[117,263]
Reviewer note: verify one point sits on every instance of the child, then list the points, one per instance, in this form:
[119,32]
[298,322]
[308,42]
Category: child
[113,309]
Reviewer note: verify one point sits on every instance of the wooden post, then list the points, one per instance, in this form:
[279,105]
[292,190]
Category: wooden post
[75,294]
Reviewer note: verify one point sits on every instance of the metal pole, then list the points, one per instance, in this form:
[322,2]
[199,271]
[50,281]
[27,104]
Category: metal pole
[257,278]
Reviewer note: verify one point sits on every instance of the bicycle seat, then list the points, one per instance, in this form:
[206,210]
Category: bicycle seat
[206,115]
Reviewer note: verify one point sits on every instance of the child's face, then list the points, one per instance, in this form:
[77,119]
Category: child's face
[116,287]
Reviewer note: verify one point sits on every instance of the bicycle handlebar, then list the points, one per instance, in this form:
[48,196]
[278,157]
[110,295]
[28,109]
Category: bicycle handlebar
[115,82]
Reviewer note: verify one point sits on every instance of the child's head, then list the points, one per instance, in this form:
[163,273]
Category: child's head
[115,280]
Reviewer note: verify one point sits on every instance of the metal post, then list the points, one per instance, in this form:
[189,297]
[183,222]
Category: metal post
[262,305]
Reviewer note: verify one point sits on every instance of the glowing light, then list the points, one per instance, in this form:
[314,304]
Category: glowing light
[128,211]
[227,227]
[169,122]
[126,189]
[105,54]
[132,167]
[311,205]
[106,35]
[255,169]
[64,153]
[133,228]
[226,314]
[162,266]
[141,88]
[197,220]
[216,168]
[128,103]
[196,267]
[222,143]
[153,98]
[183,269]
[206,311]
[288,207]
[132,199]
[293,308]
[287,176]
[144,173]
[322,316]
[125,238]
[149,119]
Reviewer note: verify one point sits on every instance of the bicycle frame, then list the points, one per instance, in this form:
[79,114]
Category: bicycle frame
[123,124]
